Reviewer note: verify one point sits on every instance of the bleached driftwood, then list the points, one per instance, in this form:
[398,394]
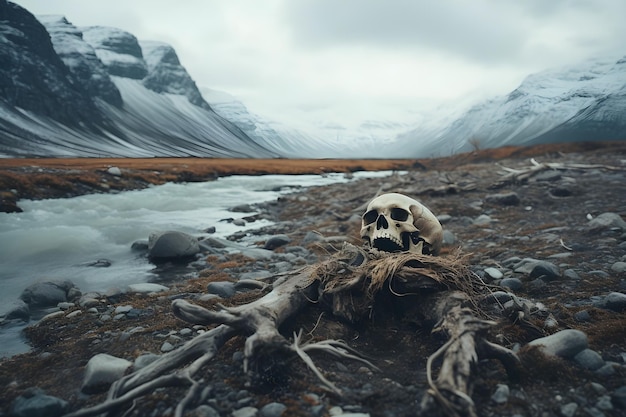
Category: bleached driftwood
[512,175]
[350,282]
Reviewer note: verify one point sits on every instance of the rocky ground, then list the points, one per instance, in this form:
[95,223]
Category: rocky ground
[555,237]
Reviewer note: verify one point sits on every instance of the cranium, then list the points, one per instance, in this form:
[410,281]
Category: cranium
[396,223]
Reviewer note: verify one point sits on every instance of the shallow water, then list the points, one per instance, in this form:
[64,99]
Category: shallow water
[55,239]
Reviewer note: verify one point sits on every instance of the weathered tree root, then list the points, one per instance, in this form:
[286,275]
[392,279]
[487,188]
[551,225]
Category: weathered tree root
[452,389]
[445,291]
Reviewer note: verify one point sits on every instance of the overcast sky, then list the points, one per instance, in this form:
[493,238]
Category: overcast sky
[345,61]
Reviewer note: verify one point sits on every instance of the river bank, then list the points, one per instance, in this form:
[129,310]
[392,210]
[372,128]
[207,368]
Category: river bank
[554,216]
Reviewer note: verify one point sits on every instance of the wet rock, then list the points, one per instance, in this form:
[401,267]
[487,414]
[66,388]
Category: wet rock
[501,395]
[224,289]
[276,242]
[546,270]
[243,208]
[312,237]
[513,284]
[448,238]
[565,344]
[606,221]
[619,267]
[115,171]
[589,359]
[46,294]
[15,310]
[35,403]
[619,397]
[569,409]
[272,410]
[147,287]
[503,199]
[8,203]
[101,371]
[493,273]
[245,412]
[616,301]
[140,246]
[172,244]
[482,220]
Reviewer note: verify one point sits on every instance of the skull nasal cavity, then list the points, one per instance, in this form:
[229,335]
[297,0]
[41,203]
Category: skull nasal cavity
[381,223]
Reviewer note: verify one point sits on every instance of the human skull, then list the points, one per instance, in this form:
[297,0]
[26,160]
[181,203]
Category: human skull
[396,223]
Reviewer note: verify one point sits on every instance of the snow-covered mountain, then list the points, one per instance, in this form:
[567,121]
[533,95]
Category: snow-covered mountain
[97,91]
[586,102]
[291,142]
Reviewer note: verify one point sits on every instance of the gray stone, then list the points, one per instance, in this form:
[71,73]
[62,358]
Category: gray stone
[115,171]
[144,360]
[482,220]
[444,218]
[255,275]
[311,237]
[503,199]
[206,411]
[571,274]
[167,347]
[513,284]
[619,397]
[172,244]
[123,309]
[448,238]
[245,412]
[258,253]
[46,294]
[101,371]
[589,359]
[607,221]
[565,344]
[139,246]
[619,267]
[494,273]
[604,403]
[15,310]
[552,175]
[501,395]
[35,403]
[616,301]
[272,410]
[224,289]
[546,270]
[569,409]
[582,316]
[525,266]
[276,242]
[147,287]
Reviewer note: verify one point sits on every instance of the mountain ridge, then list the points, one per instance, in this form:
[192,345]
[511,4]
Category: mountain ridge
[100,91]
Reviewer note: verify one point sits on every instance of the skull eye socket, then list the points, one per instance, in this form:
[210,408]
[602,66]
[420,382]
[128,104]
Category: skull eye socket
[399,214]
[370,217]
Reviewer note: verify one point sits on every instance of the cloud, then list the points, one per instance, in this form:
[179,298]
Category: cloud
[481,31]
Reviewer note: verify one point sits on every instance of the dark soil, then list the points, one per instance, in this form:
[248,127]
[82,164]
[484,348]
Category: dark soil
[549,223]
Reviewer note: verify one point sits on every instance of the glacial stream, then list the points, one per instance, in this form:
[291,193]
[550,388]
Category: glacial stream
[57,239]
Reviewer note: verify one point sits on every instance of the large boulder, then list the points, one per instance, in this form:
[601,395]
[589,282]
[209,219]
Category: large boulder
[101,371]
[17,309]
[49,293]
[172,244]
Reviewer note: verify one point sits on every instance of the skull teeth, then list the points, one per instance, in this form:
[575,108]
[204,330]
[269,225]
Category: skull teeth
[387,243]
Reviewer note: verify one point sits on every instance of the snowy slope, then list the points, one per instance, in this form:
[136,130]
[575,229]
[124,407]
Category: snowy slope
[104,98]
[582,102]
[273,135]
